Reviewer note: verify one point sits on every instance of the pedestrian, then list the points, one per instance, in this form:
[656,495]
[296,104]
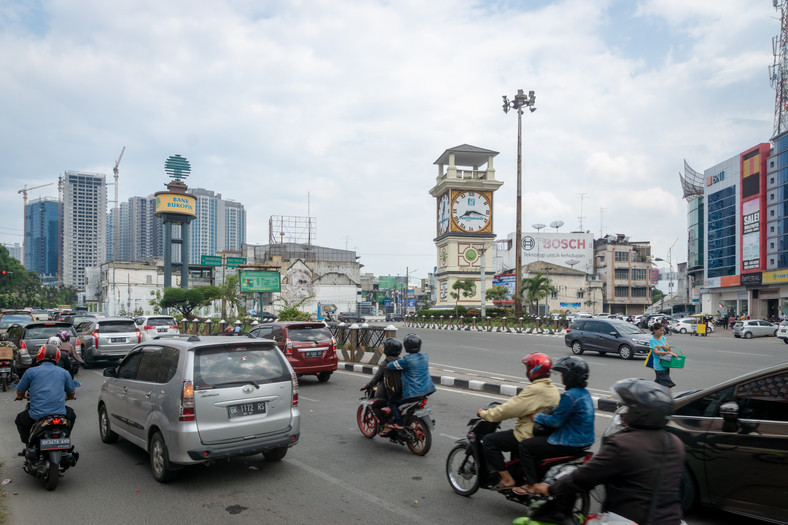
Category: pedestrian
[732,321]
[663,352]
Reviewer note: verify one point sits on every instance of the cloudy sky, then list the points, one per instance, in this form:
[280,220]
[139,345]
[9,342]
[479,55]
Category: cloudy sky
[338,108]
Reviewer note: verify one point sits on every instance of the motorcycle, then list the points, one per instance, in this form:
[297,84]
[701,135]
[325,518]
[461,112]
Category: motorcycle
[7,371]
[417,432]
[467,471]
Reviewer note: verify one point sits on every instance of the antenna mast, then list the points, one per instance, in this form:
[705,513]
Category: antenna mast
[778,72]
[581,217]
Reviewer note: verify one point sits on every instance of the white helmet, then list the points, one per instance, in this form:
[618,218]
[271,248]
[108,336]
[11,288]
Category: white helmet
[54,340]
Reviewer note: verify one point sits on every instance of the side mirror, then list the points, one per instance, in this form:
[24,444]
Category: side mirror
[110,372]
[614,333]
[730,412]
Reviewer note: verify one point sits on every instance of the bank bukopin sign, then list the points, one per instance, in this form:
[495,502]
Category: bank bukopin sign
[176,203]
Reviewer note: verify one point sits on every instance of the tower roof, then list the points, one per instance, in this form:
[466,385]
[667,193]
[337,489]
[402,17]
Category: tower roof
[466,155]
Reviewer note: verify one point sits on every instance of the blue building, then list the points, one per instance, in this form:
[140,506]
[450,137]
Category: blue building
[42,242]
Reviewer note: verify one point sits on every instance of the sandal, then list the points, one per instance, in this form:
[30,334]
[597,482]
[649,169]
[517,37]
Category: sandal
[501,486]
[523,491]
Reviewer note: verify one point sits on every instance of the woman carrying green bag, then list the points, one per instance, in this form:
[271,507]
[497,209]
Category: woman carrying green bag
[660,347]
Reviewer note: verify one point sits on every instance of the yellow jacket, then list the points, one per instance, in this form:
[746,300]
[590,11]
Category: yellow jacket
[539,395]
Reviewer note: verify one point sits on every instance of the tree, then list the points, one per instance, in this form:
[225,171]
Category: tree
[21,288]
[536,288]
[464,287]
[291,312]
[230,293]
[498,293]
[155,300]
[186,300]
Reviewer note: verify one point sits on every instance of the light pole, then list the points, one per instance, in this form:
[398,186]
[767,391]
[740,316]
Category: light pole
[520,101]
[538,227]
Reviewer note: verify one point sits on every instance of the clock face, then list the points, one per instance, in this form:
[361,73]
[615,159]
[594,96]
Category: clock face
[471,211]
[443,214]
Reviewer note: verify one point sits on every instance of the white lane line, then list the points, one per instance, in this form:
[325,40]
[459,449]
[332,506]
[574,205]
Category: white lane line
[743,353]
[362,494]
[308,399]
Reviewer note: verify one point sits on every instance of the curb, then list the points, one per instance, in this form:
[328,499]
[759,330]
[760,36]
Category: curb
[600,403]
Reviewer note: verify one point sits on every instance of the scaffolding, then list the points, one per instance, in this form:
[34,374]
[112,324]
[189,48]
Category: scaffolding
[289,229]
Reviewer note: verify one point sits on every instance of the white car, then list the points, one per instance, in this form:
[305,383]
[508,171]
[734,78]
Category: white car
[152,325]
[782,332]
[688,325]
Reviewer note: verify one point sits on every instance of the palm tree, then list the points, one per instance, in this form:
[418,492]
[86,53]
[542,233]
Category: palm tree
[536,288]
[230,294]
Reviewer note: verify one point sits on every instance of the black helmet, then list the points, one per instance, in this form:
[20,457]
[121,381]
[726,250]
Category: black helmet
[574,371]
[648,404]
[392,347]
[412,343]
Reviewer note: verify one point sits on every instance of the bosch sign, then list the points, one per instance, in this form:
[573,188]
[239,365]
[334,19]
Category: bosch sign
[572,250]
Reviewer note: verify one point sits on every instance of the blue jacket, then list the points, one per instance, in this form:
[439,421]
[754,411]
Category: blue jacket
[416,380]
[573,420]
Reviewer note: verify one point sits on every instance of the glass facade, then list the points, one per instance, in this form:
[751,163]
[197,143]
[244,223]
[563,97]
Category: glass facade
[777,205]
[42,246]
[721,248]
[695,235]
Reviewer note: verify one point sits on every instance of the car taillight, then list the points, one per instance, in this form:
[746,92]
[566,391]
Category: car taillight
[333,344]
[95,335]
[568,330]
[148,327]
[294,380]
[22,345]
[175,326]
[187,402]
[288,347]
[139,336]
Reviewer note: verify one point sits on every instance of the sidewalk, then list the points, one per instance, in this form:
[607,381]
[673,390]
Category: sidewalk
[451,378]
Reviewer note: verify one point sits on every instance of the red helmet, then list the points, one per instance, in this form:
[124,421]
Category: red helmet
[48,353]
[537,365]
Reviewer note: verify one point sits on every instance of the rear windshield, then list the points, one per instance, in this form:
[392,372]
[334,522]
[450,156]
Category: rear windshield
[9,319]
[234,365]
[160,321]
[117,327]
[45,332]
[309,335]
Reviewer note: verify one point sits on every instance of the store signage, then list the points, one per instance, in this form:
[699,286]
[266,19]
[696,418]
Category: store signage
[751,279]
[176,203]
[777,276]
[714,179]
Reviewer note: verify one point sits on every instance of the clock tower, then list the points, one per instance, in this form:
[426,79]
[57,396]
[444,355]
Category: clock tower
[464,196]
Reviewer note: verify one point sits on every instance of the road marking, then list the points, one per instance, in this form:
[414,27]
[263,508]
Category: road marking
[362,494]
[742,353]
[308,399]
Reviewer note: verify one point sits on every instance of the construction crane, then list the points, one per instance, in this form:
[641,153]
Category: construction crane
[115,222]
[24,191]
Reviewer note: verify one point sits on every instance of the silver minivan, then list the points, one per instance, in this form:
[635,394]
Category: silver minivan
[191,399]
[107,339]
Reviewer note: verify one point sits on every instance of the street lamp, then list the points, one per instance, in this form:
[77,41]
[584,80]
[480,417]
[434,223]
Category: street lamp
[520,101]
[538,227]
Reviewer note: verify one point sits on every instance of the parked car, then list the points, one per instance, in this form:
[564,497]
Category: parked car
[266,317]
[9,317]
[107,339]
[687,325]
[393,318]
[782,332]
[29,337]
[309,346]
[350,317]
[188,400]
[754,328]
[603,336]
[152,325]
[735,435]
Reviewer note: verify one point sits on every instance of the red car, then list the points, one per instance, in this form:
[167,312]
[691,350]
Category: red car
[309,347]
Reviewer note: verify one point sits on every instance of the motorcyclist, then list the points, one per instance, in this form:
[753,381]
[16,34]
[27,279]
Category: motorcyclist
[45,384]
[67,347]
[391,381]
[416,380]
[536,397]
[5,342]
[640,467]
[573,421]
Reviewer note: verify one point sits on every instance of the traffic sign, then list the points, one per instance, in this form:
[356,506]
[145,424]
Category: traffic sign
[233,262]
[210,260]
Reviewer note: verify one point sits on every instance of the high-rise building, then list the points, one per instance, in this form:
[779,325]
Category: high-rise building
[220,225]
[84,224]
[140,233]
[14,250]
[42,245]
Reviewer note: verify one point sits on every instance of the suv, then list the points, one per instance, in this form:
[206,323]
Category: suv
[309,347]
[603,336]
[188,400]
[152,325]
[350,317]
[29,337]
[754,328]
[109,338]
[9,317]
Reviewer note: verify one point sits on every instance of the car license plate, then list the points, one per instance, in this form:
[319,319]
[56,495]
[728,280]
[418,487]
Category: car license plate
[246,409]
[161,329]
[56,444]
[312,355]
[5,370]
[423,412]
[117,340]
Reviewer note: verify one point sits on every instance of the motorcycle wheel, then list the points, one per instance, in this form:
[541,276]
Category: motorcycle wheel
[462,471]
[5,384]
[366,422]
[53,476]
[423,437]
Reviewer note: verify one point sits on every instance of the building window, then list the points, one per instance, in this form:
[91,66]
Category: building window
[580,294]
[622,256]
[622,291]
[639,292]
[622,273]
[554,295]
[639,274]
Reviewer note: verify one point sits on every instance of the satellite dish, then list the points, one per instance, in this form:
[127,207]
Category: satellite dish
[556,224]
[572,263]
[538,226]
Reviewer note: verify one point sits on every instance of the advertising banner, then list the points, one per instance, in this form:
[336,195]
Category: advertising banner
[507,280]
[571,250]
[751,234]
[177,203]
[257,281]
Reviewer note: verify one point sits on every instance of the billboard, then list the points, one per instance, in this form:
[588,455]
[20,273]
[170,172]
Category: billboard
[257,281]
[177,203]
[507,280]
[753,208]
[571,250]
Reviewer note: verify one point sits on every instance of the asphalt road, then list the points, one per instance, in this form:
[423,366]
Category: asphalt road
[334,474]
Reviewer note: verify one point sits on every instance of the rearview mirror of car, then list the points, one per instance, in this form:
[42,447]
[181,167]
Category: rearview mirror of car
[110,372]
